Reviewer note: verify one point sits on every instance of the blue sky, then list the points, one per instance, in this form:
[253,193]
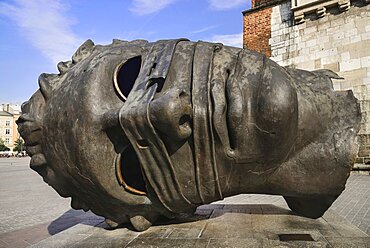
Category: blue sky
[36,34]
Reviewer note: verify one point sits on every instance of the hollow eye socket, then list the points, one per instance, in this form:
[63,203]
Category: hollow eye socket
[128,172]
[125,75]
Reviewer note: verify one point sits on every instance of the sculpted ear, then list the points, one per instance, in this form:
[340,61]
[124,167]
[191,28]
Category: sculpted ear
[83,51]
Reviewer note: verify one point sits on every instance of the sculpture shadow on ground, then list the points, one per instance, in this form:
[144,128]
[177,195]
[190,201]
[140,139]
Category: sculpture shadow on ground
[71,218]
[213,211]
[205,212]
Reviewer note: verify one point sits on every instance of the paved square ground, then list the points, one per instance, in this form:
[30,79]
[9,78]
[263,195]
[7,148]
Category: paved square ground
[32,211]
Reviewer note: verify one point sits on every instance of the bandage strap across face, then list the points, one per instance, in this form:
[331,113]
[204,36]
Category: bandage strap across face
[157,166]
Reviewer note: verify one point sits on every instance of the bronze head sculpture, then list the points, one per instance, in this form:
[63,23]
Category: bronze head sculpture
[136,130]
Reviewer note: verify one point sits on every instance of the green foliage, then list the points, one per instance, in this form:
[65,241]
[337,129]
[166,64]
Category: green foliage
[3,147]
[19,145]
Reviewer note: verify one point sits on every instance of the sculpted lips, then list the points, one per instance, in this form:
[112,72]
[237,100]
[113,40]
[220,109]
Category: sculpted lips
[30,130]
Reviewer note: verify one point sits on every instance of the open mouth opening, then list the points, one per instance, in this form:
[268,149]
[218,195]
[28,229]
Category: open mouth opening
[128,171]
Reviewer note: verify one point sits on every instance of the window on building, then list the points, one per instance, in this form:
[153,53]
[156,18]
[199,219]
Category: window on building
[7,131]
[7,123]
[7,140]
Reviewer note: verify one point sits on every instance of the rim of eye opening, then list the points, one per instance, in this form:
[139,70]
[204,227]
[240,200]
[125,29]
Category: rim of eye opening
[115,81]
[125,75]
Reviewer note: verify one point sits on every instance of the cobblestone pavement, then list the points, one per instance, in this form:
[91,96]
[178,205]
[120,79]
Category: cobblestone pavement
[32,210]
[29,208]
[353,204]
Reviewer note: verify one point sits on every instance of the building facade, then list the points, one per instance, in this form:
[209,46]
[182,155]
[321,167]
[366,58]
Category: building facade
[317,34]
[8,126]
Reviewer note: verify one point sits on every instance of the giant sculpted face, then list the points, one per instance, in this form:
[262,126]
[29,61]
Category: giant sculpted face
[135,130]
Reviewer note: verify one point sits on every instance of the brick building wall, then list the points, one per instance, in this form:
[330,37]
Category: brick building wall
[257,26]
[331,37]
[256,34]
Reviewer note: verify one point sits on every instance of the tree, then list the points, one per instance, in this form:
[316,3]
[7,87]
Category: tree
[19,145]
[3,147]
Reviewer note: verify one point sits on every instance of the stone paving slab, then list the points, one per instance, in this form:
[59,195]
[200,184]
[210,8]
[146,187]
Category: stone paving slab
[25,200]
[33,234]
[353,204]
[252,225]
[31,212]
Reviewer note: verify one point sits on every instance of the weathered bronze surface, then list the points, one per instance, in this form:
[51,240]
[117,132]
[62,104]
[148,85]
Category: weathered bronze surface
[136,130]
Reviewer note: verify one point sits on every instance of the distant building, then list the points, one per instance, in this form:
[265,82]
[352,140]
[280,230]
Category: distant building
[317,34]
[8,127]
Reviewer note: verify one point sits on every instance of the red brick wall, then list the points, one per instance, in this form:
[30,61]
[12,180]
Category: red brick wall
[257,29]
[257,3]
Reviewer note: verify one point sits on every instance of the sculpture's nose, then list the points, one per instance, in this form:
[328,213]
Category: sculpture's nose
[171,115]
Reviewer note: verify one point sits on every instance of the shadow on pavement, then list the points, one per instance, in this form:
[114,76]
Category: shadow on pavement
[73,217]
[212,211]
